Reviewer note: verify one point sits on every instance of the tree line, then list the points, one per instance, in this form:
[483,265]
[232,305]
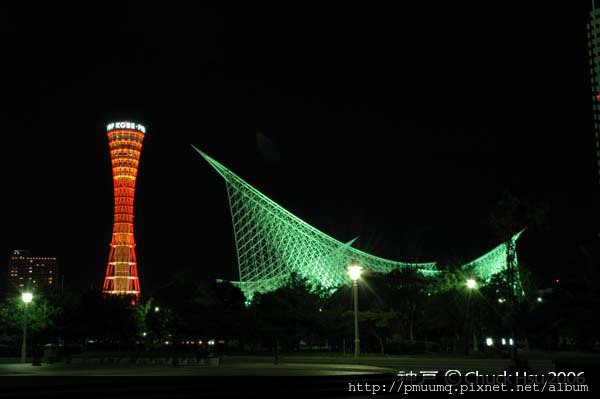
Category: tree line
[399,312]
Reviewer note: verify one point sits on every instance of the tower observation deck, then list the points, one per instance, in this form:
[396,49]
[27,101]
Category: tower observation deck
[125,142]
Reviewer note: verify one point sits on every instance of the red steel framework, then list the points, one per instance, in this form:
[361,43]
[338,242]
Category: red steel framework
[125,142]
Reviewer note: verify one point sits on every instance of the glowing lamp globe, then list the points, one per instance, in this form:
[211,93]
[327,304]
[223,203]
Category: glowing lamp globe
[27,297]
[471,283]
[354,272]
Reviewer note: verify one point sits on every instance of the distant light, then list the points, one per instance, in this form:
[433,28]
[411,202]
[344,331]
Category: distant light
[510,341]
[27,297]
[557,280]
[503,341]
[598,96]
[211,342]
[320,309]
[489,341]
[199,342]
[156,309]
[354,272]
[144,334]
[166,342]
[501,300]
[471,283]
[539,299]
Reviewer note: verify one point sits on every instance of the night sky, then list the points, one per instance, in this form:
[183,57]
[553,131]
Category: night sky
[402,125]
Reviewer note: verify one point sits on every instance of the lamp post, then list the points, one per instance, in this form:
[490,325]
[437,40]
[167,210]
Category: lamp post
[471,285]
[26,297]
[354,272]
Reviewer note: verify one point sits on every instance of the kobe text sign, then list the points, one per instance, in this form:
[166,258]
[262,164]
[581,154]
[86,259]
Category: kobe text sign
[126,125]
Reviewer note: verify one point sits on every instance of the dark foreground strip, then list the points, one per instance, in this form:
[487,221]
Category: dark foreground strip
[227,386]
[183,387]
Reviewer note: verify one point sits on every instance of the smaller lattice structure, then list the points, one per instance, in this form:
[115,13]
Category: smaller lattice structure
[496,261]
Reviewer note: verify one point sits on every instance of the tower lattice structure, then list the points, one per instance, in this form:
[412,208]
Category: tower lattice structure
[125,142]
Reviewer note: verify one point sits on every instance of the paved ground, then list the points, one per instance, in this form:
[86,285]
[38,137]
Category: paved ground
[243,376]
[415,363]
[263,366]
[247,368]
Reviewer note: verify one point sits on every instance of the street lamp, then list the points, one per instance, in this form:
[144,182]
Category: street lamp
[471,285]
[354,272]
[26,297]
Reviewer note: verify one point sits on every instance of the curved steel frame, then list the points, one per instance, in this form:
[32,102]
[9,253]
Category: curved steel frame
[271,243]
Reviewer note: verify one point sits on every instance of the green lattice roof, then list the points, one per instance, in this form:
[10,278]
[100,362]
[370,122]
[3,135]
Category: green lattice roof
[271,243]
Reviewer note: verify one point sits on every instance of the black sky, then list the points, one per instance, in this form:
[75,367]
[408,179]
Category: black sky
[402,125]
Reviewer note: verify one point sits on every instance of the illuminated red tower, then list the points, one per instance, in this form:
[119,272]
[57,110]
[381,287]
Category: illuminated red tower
[125,142]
